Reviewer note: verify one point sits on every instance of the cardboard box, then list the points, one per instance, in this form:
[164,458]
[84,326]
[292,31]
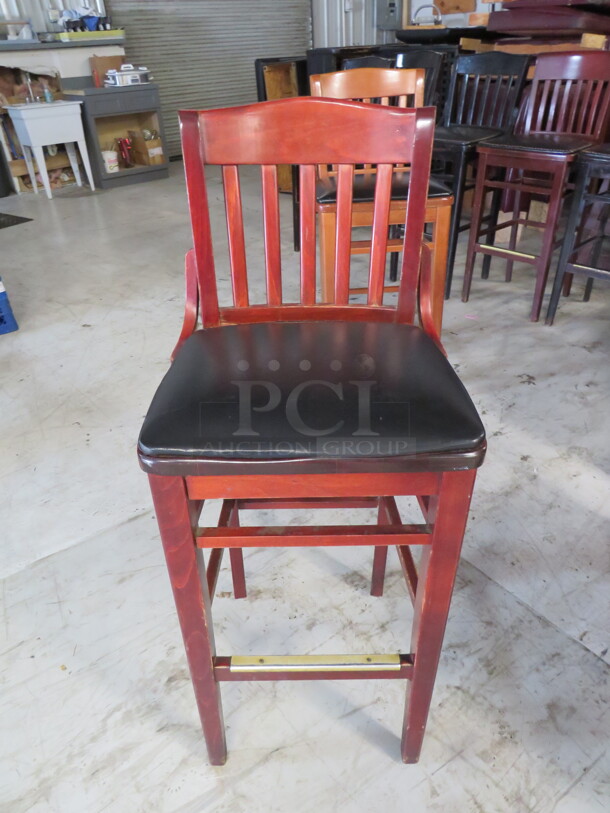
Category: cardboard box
[144,152]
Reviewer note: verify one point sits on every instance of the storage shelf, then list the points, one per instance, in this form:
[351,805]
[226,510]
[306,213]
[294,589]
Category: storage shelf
[134,170]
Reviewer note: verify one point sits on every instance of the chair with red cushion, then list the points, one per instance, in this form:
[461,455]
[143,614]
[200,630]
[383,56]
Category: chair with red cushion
[295,404]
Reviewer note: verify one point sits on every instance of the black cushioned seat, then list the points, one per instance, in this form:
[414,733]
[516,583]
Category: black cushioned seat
[310,390]
[364,188]
[541,142]
[463,135]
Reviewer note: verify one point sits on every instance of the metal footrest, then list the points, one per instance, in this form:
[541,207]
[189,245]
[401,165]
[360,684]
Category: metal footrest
[312,667]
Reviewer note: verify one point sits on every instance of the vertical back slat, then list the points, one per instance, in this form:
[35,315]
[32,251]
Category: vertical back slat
[379,246]
[271,228]
[594,106]
[497,112]
[584,106]
[307,176]
[474,93]
[553,105]
[345,185]
[573,107]
[200,217]
[465,78]
[563,109]
[542,112]
[235,230]
[484,105]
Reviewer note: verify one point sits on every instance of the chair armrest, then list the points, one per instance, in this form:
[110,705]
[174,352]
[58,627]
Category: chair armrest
[425,296]
[191,303]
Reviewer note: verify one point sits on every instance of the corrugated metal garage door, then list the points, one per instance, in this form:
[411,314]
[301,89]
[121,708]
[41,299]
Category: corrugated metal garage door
[202,52]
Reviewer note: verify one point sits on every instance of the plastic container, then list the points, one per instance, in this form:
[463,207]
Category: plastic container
[111,160]
[8,323]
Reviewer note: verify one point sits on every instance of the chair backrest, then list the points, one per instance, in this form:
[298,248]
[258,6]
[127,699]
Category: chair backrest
[570,93]
[371,61]
[365,84]
[432,62]
[306,132]
[404,88]
[484,89]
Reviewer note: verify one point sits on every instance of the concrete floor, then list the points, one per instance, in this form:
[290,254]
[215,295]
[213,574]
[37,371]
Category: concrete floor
[97,708]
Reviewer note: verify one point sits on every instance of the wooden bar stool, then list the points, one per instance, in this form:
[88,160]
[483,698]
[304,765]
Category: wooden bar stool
[364,84]
[289,405]
[591,189]
[567,111]
[482,100]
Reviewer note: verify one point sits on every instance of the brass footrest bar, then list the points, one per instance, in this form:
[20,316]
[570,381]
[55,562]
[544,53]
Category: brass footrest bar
[312,667]
[497,251]
[311,535]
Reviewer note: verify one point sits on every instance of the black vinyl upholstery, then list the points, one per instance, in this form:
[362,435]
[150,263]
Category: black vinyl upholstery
[463,135]
[540,142]
[310,390]
[364,188]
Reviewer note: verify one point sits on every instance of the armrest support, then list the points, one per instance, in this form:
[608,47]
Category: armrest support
[425,296]
[191,303]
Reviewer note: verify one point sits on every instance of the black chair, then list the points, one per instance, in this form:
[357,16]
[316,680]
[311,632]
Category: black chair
[482,103]
[586,225]
[300,67]
[449,53]
[430,61]
[370,61]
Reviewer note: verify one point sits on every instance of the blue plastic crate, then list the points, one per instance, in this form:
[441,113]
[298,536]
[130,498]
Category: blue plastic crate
[8,322]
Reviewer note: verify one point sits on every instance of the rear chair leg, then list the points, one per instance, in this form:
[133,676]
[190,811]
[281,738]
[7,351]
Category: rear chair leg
[237,561]
[380,555]
[437,569]
[193,604]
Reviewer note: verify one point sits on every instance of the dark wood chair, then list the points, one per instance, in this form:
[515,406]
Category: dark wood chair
[430,61]
[482,102]
[590,202]
[292,405]
[567,110]
[402,87]
[368,61]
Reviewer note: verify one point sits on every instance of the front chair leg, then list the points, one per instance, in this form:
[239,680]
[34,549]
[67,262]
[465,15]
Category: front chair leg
[193,604]
[448,512]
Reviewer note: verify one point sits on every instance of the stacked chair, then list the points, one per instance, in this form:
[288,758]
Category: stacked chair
[567,111]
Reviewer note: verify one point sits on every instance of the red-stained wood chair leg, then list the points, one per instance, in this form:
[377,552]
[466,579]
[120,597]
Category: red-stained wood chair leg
[237,562]
[548,240]
[475,226]
[437,569]
[380,556]
[193,605]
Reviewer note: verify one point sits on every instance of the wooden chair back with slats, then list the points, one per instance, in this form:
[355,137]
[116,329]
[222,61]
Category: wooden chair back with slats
[306,132]
[405,87]
[398,87]
[484,90]
[570,94]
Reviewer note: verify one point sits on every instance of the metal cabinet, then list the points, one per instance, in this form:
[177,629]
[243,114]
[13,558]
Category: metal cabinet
[110,113]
